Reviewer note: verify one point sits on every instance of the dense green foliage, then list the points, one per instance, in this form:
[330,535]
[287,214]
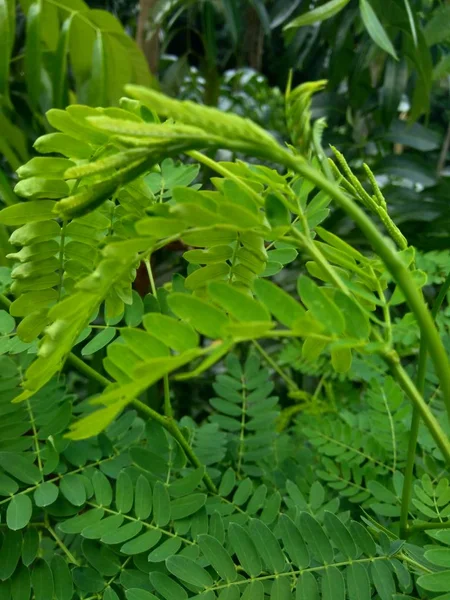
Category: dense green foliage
[224,366]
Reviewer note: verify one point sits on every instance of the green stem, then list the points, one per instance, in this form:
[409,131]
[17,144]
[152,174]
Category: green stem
[393,262]
[166,421]
[61,544]
[84,368]
[218,168]
[168,411]
[428,526]
[415,421]
[290,382]
[320,259]
[61,259]
[422,407]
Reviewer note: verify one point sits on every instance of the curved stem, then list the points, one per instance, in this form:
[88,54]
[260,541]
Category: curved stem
[393,263]
[292,386]
[415,421]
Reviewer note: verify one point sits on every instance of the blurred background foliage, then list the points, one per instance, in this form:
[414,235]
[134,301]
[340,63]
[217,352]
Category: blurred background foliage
[387,63]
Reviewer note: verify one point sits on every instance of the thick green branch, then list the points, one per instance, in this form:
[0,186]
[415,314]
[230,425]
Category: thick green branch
[393,263]
[415,421]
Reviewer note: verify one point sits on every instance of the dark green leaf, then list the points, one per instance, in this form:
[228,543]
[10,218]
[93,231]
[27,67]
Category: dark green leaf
[218,557]
[21,584]
[143,498]
[42,580]
[62,578]
[189,571]
[19,511]
[45,494]
[383,579]
[267,546]
[316,538]
[374,28]
[10,553]
[321,13]
[358,583]
[245,550]
[293,542]
[72,487]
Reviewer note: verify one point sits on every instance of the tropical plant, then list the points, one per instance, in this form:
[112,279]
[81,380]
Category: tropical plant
[127,500]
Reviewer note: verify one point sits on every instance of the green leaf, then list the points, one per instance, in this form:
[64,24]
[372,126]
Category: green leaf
[175,334]
[33,54]
[20,467]
[45,494]
[142,543]
[439,556]
[30,546]
[412,24]
[186,485]
[110,594]
[102,489]
[284,308]
[124,493]
[277,213]
[99,341]
[307,587]
[340,535]
[320,305]
[161,504]
[60,68]
[7,26]
[165,550]
[189,571]
[435,582]
[316,538]
[167,587]
[73,489]
[98,529]
[267,545]
[332,584]
[87,580]
[143,498]
[40,187]
[10,553]
[21,584]
[98,85]
[42,580]
[218,557]
[138,594]
[281,589]
[62,144]
[198,313]
[363,538]
[62,578]
[384,580]
[341,359]
[321,13]
[201,277]
[149,461]
[293,542]
[358,583]
[436,29]
[254,591]
[135,311]
[245,550]
[181,508]
[7,323]
[78,523]
[123,534]
[237,303]
[375,29]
